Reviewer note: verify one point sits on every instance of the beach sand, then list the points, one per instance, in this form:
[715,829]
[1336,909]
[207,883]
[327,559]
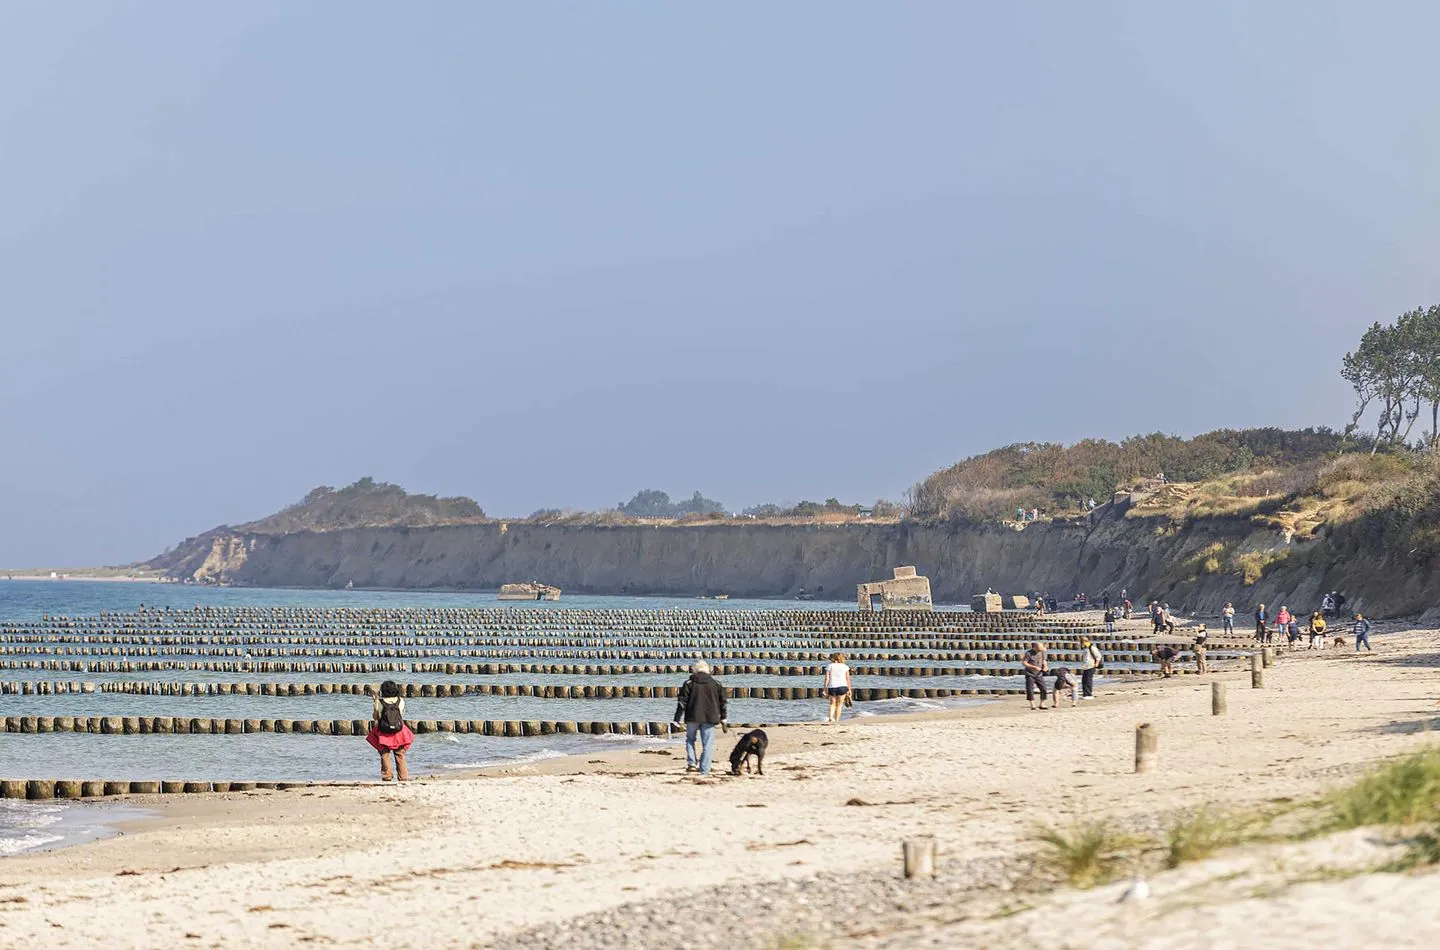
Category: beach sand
[465,862]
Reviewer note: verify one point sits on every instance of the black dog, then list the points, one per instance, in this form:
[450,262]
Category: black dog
[752,743]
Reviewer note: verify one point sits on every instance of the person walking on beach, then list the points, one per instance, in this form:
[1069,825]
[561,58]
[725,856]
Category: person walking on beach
[1362,633]
[1091,659]
[1260,618]
[1109,620]
[1227,618]
[701,706]
[837,686]
[1033,663]
[1317,629]
[389,733]
[1198,648]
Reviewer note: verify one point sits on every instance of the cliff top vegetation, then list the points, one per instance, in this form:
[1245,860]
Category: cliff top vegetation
[1054,477]
[366,503]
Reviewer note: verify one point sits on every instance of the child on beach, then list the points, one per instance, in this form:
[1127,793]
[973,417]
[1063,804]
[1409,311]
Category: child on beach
[837,685]
[1065,682]
[388,731]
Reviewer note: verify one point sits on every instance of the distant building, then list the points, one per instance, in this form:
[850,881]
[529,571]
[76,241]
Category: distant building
[905,591]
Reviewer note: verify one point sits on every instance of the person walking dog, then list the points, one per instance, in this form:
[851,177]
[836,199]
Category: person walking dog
[701,706]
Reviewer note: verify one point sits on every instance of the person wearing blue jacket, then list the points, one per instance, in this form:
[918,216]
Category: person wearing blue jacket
[1362,633]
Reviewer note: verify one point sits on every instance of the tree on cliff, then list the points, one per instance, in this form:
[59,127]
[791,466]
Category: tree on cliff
[1396,370]
[651,503]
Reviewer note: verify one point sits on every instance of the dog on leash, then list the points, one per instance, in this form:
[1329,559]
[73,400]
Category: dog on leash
[751,745]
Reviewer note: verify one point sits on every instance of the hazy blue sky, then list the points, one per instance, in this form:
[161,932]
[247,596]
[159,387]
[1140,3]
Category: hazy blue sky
[549,254]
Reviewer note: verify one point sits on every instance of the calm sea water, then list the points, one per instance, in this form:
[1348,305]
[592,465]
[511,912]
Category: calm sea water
[260,757]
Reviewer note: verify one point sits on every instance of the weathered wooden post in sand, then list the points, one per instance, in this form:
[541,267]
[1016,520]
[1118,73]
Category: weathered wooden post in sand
[1267,657]
[1147,747]
[919,855]
[1257,671]
[1217,698]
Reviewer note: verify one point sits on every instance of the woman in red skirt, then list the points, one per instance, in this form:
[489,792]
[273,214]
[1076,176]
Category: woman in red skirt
[388,731]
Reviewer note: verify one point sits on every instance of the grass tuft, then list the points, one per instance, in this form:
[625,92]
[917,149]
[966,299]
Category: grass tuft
[1403,792]
[1200,834]
[1088,853]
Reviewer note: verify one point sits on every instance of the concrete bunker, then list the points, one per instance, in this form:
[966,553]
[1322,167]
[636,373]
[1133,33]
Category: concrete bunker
[905,591]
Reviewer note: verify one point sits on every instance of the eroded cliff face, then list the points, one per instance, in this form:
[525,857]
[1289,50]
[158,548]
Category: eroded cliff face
[1150,557]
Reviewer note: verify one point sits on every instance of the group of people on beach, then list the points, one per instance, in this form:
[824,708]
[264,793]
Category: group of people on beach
[1287,624]
[1035,665]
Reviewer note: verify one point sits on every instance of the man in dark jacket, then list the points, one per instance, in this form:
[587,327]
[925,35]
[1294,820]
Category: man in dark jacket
[700,705]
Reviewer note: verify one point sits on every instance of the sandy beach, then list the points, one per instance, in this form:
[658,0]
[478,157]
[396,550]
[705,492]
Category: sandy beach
[465,862]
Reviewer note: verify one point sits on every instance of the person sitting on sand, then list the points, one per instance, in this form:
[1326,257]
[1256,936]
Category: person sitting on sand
[1317,630]
[701,706]
[389,733]
[837,685]
[1034,666]
[1065,683]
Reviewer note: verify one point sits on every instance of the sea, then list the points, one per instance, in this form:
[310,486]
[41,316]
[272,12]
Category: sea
[26,826]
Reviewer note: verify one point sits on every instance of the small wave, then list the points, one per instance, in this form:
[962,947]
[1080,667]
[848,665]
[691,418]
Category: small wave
[25,826]
[539,755]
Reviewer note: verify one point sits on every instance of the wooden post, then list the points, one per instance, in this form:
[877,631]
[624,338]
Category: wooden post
[1257,671]
[919,854]
[1147,747]
[1217,698]
[1267,657]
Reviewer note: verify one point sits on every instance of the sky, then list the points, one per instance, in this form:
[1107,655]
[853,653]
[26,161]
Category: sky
[549,254]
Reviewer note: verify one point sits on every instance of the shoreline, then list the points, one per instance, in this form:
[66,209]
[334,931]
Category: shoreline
[518,846]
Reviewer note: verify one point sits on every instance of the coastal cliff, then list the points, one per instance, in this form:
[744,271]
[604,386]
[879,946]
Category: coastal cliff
[1197,565]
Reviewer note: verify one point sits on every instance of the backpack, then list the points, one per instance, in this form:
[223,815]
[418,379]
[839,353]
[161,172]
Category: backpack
[390,721]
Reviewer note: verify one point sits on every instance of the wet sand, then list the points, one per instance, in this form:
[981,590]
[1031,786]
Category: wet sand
[460,862]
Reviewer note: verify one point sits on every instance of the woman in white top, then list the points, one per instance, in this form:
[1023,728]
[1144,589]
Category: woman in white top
[837,685]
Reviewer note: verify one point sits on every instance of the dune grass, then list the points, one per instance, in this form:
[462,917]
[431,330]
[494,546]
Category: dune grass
[1405,791]
[1200,834]
[1087,852]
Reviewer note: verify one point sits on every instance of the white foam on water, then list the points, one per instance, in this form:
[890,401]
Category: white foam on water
[539,755]
[898,706]
[25,826]
[635,740]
